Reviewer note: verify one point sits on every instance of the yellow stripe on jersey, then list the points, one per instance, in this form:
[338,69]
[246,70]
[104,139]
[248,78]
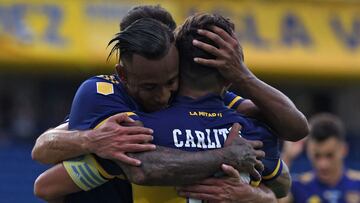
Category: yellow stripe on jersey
[276,170]
[97,165]
[104,88]
[102,171]
[102,122]
[237,98]
[130,113]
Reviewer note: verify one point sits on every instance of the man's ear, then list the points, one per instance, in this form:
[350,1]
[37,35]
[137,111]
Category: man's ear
[120,69]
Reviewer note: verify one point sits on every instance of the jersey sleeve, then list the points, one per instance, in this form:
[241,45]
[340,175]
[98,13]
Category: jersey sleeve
[232,101]
[95,101]
[272,161]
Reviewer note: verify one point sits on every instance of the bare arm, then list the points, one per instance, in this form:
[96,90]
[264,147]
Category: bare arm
[228,190]
[183,167]
[175,167]
[276,108]
[111,140]
[166,166]
[54,184]
[58,144]
[281,185]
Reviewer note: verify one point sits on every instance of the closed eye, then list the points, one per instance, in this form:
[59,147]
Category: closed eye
[149,87]
[172,80]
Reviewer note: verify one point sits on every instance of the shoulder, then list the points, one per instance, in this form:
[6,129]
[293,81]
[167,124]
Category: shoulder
[102,87]
[109,78]
[304,178]
[353,174]
[96,99]
[102,84]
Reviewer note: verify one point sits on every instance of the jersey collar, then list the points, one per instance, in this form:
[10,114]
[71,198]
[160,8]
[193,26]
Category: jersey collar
[208,101]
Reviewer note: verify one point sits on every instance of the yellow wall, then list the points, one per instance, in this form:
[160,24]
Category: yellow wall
[279,37]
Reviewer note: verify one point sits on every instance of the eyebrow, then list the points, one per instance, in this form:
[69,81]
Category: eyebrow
[175,76]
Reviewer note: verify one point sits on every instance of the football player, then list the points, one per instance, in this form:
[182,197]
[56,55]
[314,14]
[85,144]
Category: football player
[213,116]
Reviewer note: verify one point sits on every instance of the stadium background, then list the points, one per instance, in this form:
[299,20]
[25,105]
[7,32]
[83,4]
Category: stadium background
[308,49]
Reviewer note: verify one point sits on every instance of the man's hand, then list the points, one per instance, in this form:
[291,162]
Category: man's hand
[230,189]
[244,154]
[275,107]
[229,56]
[117,136]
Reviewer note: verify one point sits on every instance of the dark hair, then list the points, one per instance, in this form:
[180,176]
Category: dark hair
[326,125]
[201,77]
[148,11]
[146,37]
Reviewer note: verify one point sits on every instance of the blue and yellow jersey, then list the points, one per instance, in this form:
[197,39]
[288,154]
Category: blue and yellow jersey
[232,101]
[307,188]
[102,96]
[97,99]
[202,124]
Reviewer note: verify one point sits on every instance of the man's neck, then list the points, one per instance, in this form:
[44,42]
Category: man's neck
[195,93]
[335,178]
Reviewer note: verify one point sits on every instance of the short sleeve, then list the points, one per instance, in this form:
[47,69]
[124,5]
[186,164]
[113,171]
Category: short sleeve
[232,101]
[95,101]
[272,162]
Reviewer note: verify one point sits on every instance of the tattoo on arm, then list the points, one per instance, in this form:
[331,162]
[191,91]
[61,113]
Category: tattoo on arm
[166,166]
[58,144]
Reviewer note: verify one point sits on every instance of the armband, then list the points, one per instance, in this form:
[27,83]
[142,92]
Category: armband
[84,171]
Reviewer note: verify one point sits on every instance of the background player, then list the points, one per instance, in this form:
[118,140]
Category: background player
[330,180]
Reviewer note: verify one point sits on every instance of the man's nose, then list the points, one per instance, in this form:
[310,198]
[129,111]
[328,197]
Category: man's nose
[163,96]
[323,163]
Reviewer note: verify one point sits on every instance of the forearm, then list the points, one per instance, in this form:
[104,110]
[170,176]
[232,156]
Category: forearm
[59,144]
[166,166]
[264,194]
[275,107]
[281,185]
[54,184]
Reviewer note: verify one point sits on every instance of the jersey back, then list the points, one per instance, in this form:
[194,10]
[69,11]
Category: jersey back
[97,99]
[197,125]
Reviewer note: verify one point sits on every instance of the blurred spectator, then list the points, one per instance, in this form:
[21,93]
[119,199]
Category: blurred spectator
[329,181]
